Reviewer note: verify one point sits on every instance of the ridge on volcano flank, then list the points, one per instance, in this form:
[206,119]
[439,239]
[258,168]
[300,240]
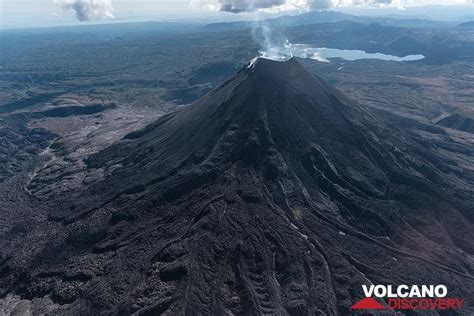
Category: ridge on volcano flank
[269,195]
[269,115]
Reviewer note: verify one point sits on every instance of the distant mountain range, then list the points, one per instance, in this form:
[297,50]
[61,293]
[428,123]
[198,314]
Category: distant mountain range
[315,17]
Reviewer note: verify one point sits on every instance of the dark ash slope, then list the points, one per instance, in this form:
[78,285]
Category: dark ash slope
[273,194]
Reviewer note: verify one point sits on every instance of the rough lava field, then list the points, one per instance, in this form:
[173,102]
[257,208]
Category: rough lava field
[170,176]
[274,194]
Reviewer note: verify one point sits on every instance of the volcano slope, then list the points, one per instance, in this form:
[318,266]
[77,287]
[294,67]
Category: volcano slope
[273,194]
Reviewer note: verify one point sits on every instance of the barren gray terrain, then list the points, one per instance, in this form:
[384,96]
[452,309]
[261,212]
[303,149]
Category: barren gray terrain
[143,172]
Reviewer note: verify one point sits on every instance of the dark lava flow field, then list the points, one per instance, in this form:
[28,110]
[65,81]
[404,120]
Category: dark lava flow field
[167,176]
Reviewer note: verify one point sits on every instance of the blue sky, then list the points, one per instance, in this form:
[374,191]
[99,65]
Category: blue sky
[39,13]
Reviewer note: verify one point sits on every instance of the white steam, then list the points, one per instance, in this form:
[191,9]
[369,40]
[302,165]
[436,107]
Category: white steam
[87,10]
[270,43]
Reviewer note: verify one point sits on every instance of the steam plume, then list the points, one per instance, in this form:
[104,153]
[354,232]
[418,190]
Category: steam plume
[87,10]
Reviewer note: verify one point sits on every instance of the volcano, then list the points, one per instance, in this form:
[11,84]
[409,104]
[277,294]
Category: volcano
[273,194]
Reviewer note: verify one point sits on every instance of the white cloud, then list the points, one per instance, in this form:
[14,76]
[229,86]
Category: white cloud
[238,6]
[87,10]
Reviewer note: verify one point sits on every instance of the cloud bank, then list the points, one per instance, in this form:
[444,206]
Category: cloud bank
[87,10]
[239,6]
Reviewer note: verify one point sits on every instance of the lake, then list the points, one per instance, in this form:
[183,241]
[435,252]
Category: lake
[324,54]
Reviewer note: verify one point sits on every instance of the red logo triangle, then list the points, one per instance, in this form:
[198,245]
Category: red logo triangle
[368,303]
